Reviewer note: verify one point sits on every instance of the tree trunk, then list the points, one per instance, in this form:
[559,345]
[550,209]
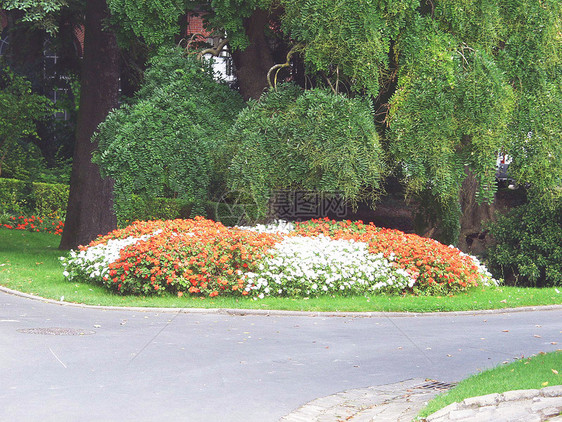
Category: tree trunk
[90,205]
[472,238]
[254,62]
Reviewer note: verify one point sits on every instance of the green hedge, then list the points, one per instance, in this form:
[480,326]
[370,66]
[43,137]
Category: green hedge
[528,245]
[142,209]
[18,197]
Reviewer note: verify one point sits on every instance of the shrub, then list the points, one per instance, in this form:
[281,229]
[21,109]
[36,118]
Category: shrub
[140,208]
[310,140]
[163,142]
[50,199]
[12,199]
[18,197]
[528,245]
[202,257]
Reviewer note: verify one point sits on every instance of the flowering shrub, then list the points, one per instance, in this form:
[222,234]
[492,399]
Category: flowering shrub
[180,256]
[436,268]
[201,257]
[303,266]
[34,224]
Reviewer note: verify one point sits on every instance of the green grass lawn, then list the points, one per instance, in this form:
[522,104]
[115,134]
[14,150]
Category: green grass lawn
[29,262]
[537,372]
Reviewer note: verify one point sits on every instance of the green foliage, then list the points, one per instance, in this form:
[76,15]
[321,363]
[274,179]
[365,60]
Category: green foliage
[156,22]
[40,13]
[312,140]
[12,198]
[451,109]
[18,197]
[50,199]
[347,36]
[162,143]
[143,209]
[528,248]
[531,58]
[227,16]
[20,110]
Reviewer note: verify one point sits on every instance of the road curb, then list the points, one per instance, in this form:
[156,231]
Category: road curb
[265,312]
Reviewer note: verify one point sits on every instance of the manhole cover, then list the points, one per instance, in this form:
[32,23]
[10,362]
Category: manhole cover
[56,331]
[437,385]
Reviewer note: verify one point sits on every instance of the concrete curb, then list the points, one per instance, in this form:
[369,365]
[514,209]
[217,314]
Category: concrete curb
[402,401]
[521,405]
[265,312]
[398,402]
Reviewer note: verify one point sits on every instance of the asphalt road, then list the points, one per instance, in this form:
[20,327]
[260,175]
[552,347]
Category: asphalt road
[130,365]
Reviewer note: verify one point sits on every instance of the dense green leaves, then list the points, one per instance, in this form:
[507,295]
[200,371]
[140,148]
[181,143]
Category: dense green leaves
[20,110]
[531,57]
[311,140]
[347,39]
[156,22]
[451,110]
[528,249]
[228,17]
[162,143]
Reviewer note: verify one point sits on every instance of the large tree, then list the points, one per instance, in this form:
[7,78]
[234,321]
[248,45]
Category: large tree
[453,83]
[90,211]
[90,205]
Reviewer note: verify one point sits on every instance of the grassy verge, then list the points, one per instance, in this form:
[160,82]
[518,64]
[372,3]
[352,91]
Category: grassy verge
[29,262]
[540,371]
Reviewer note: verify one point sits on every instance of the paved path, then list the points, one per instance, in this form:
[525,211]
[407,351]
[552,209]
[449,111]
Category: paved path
[131,365]
[402,401]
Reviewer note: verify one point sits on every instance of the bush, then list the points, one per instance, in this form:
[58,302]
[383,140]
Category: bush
[140,208]
[312,140]
[12,198]
[201,257]
[18,197]
[50,199]
[163,142]
[528,245]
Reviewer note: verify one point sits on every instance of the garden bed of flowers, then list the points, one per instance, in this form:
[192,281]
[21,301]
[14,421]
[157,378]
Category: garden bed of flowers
[318,257]
[33,224]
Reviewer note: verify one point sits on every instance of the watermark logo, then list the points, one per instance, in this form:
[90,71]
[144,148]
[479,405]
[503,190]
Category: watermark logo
[306,204]
[238,208]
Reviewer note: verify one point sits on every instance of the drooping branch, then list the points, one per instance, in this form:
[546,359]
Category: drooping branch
[215,51]
[280,66]
[334,90]
[190,41]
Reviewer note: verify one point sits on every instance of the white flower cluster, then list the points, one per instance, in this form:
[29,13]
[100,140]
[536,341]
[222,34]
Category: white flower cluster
[94,261]
[277,226]
[486,277]
[320,265]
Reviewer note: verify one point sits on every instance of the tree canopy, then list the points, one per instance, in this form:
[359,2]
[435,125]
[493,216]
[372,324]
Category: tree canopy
[452,82]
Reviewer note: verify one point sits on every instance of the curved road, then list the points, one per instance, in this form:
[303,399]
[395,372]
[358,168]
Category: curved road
[131,365]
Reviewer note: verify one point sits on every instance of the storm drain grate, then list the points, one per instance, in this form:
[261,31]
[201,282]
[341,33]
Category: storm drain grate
[56,331]
[437,385]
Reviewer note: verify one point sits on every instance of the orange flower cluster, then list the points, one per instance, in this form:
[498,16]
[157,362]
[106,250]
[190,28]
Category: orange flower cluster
[437,268]
[35,224]
[197,257]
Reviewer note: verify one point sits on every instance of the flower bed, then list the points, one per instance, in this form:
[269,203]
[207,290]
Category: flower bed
[34,224]
[204,258]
